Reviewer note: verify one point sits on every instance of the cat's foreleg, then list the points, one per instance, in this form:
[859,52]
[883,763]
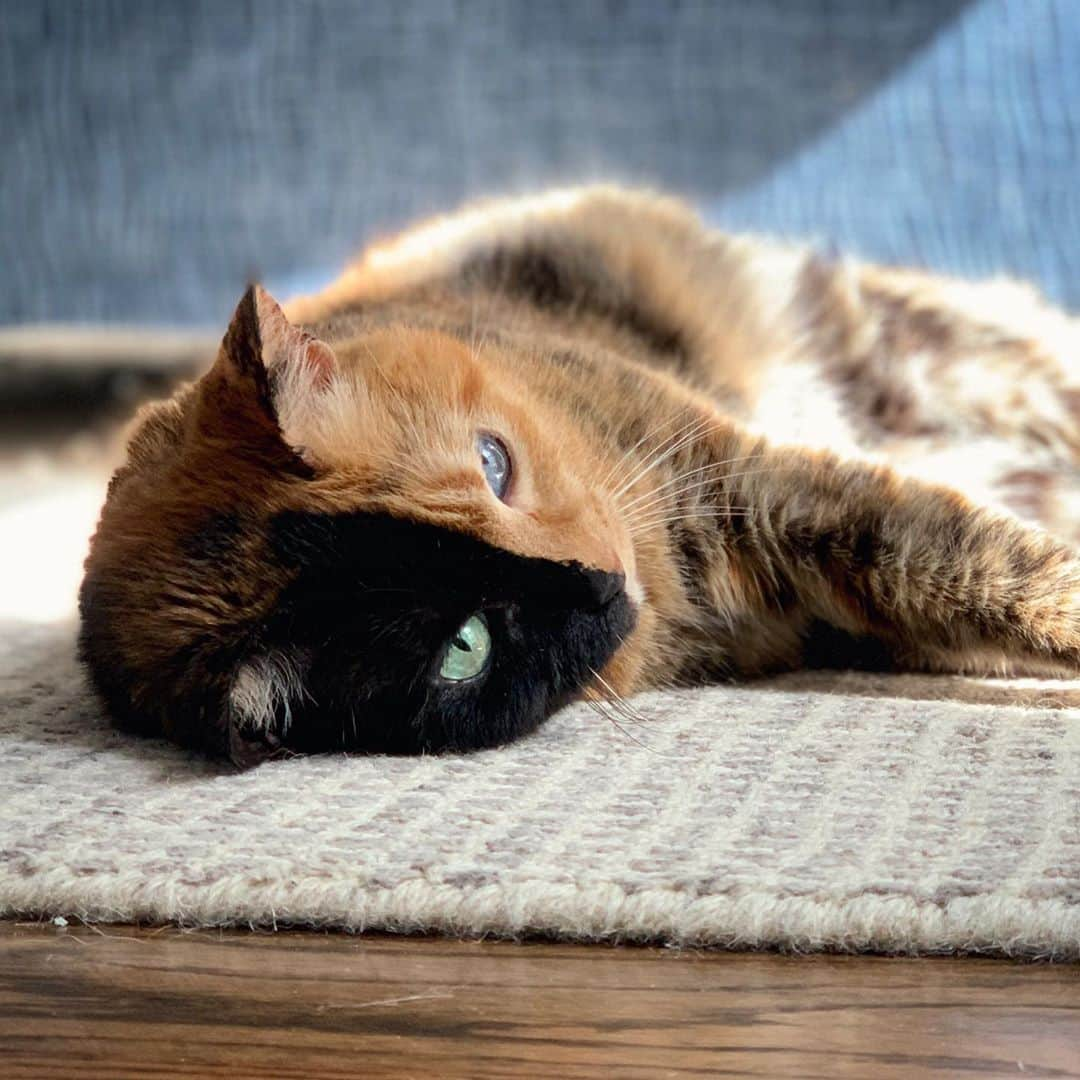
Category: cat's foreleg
[941,582]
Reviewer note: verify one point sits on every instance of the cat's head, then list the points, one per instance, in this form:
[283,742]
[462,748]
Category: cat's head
[384,545]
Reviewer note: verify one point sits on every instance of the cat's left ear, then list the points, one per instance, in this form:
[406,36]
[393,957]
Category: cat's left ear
[287,370]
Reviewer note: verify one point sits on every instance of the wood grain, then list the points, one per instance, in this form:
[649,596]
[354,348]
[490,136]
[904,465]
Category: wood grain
[120,1002]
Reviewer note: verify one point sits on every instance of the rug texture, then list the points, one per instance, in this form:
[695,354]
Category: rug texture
[829,811]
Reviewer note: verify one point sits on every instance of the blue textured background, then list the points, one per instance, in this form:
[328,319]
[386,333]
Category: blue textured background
[157,155]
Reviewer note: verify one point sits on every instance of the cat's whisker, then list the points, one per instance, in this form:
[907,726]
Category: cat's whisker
[693,429]
[627,463]
[617,701]
[675,512]
[665,519]
[696,432]
[688,498]
[690,472]
[689,422]
[671,497]
[602,706]
[597,705]
[716,465]
[610,706]
[611,476]
[669,511]
[605,699]
[355,734]
[647,527]
[660,504]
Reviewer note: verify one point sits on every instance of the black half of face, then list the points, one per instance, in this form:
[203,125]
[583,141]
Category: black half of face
[378,601]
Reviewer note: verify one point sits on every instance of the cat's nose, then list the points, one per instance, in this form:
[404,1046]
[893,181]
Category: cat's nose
[604,586]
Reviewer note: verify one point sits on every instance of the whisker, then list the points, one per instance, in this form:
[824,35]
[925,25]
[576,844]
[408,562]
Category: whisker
[609,704]
[600,705]
[599,701]
[675,513]
[610,476]
[616,700]
[686,475]
[671,500]
[596,707]
[689,431]
[656,507]
[696,432]
[630,465]
[664,519]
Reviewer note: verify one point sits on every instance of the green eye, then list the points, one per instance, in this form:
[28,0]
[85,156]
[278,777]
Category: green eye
[468,650]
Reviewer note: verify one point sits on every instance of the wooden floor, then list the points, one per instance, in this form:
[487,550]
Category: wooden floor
[119,1002]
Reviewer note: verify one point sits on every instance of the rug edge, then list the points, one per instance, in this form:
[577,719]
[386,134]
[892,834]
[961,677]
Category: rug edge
[1000,925]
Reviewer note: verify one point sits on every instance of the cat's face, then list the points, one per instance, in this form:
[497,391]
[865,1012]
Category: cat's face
[381,547]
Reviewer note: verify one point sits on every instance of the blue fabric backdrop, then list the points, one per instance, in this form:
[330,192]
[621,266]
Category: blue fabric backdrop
[157,155]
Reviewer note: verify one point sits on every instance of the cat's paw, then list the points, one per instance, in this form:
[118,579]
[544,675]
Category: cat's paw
[1049,616]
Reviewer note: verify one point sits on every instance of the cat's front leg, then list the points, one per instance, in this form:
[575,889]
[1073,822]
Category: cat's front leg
[940,582]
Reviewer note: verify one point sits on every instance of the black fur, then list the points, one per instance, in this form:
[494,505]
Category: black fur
[373,604]
[825,646]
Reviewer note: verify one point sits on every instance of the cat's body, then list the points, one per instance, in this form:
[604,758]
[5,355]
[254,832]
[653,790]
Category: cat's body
[673,402]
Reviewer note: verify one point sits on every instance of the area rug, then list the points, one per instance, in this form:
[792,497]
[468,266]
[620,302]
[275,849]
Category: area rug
[827,811]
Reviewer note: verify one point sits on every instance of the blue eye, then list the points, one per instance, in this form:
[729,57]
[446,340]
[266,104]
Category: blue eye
[495,461]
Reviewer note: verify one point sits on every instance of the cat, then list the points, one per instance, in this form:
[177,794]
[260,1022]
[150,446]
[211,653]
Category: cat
[579,445]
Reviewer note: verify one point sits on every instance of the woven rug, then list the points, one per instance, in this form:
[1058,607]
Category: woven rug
[827,811]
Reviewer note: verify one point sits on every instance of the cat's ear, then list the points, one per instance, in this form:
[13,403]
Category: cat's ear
[286,370]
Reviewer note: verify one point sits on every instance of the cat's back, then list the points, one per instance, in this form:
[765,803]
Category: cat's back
[633,273]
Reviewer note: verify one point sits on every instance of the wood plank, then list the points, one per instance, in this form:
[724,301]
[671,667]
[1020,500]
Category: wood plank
[122,1002]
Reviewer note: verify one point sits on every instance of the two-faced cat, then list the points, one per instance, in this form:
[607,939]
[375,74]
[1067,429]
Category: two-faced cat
[580,444]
